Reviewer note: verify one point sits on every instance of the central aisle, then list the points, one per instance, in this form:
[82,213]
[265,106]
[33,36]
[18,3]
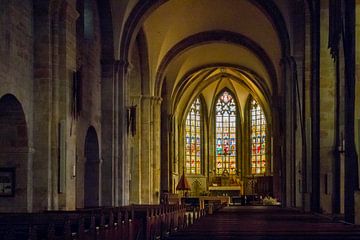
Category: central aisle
[260,222]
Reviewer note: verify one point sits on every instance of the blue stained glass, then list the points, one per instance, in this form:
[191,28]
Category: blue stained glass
[258,138]
[193,139]
[225,111]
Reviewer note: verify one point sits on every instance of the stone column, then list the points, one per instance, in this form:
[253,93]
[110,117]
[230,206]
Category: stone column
[121,164]
[42,108]
[351,162]
[135,154]
[289,164]
[67,54]
[108,132]
[156,168]
[146,153]
[165,150]
[315,104]
[277,147]
[150,149]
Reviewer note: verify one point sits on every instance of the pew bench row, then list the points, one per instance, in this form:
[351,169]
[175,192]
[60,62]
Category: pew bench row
[129,222]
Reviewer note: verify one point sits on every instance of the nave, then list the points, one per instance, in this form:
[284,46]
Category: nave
[266,222]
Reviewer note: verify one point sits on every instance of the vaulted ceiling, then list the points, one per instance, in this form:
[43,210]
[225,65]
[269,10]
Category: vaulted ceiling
[190,41]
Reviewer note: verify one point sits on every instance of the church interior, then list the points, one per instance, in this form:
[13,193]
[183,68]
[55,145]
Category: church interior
[109,104]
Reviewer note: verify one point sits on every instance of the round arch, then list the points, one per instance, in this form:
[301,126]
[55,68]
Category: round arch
[14,155]
[92,186]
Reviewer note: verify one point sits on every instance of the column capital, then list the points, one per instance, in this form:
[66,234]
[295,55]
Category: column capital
[123,65]
[154,99]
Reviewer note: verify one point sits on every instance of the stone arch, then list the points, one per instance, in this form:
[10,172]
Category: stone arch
[144,9]
[14,154]
[92,187]
[217,36]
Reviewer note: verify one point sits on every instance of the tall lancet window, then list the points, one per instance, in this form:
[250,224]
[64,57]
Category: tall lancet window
[193,139]
[258,138]
[225,111]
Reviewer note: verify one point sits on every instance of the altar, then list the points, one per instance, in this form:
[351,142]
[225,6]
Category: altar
[226,186]
[235,190]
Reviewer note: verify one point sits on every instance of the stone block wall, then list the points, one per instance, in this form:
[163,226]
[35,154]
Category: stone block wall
[16,78]
[327,113]
[89,64]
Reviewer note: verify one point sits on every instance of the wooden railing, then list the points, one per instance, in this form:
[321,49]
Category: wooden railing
[135,222]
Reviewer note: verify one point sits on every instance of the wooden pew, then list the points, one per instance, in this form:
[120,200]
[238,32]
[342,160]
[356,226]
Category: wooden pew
[158,221]
[120,223]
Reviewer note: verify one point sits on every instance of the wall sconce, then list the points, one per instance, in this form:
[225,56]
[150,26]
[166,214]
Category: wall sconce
[74,171]
[341,147]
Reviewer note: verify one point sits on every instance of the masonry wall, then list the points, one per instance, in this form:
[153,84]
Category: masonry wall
[88,63]
[134,148]
[327,116]
[16,78]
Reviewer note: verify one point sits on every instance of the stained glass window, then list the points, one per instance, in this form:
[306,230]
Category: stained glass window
[193,139]
[258,138]
[225,111]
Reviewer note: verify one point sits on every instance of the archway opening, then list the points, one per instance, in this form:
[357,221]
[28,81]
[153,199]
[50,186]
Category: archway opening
[92,170]
[14,166]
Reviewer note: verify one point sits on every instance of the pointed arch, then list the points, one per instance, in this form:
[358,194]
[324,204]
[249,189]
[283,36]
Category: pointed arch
[258,138]
[226,114]
[194,137]
[145,8]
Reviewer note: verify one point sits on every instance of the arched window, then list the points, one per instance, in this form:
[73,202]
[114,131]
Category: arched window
[258,139]
[193,139]
[225,111]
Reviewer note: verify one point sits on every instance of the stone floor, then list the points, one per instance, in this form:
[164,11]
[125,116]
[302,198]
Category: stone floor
[259,222]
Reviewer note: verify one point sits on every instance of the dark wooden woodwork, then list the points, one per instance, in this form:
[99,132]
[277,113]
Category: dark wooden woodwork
[120,223]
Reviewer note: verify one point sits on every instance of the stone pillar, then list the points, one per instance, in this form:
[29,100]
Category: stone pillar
[357,207]
[156,102]
[327,121]
[146,153]
[351,163]
[41,168]
[121,163]
[55,60]
[165,150]
[277,147]
[135,154]
[150,149]
[108,132]
[67,54]
[315,104]
[289,163]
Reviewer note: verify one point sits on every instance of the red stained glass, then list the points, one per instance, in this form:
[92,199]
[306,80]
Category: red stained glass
[258,138]
[225,110]
[193,139]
